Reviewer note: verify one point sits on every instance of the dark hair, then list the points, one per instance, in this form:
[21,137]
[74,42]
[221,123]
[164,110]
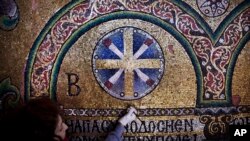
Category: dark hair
[35,121]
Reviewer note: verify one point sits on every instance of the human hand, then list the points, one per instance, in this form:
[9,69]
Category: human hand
[130,116]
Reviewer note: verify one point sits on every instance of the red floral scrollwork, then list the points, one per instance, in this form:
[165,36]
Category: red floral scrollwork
[220,58]
[214,84]
[202,48]
[166,10]
[105,6]
[80,13]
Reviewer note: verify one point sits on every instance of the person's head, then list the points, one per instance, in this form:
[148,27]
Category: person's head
[44,119]
[39,120]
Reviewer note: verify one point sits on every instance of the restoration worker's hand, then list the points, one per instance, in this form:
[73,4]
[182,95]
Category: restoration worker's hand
[129,117]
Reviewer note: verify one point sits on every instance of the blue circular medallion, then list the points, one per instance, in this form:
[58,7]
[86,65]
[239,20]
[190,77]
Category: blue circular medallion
[128,63]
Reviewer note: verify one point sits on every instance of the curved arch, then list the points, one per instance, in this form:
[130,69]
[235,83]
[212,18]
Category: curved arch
[38,41]
[49,25]
[125,15]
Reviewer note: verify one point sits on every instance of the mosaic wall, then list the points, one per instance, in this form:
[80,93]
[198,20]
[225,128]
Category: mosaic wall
[183,64]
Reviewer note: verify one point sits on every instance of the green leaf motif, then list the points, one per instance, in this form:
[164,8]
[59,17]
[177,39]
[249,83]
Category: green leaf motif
[9,95]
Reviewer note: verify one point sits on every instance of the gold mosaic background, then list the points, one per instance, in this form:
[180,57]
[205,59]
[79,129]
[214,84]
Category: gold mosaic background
[177,88]
[241,79]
